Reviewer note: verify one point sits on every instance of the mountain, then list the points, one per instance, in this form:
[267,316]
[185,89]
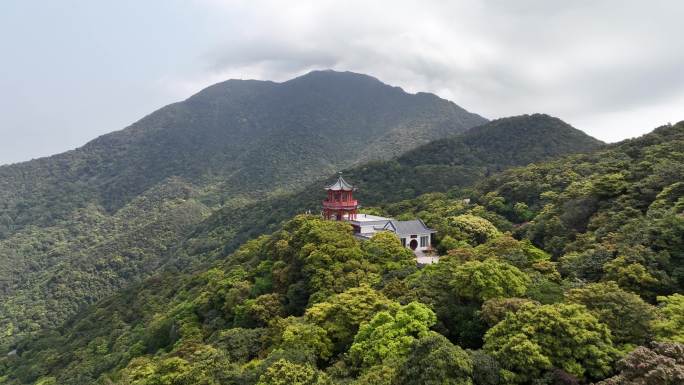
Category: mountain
[75,226]
[236,139]
[439,166]
[567,252]
[89,254]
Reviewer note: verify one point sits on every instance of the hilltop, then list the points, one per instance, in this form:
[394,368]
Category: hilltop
[235,139]
[445,164]
[546,255]
[78,225]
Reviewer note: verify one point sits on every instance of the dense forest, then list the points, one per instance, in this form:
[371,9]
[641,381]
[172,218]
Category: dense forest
[233,141]
[49,273]
[76,226]
[565,271]
[439,166]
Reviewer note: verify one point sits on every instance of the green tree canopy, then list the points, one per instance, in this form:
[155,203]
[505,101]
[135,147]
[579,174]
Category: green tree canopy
[626,314]
[669,326]
[390,335]
[283,372]
[385,249]
[480,281]
[494,310]
[434,360]
[472,229]
[341,315]
[536,339]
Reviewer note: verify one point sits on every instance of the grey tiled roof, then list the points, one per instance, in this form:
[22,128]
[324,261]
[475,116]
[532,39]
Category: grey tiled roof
[341,185]
[415,226]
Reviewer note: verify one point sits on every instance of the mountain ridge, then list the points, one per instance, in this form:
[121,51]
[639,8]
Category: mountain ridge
[439,166]
[233,131]
[242,309]
[77,225]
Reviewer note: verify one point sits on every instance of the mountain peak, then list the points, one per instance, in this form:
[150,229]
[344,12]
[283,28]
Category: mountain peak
[536,126]
[329,74]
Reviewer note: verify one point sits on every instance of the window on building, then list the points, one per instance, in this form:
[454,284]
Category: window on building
[403,242]
[424,240]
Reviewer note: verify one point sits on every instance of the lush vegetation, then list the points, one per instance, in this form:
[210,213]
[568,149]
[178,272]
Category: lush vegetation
[439,166]
[235,139]
[49,273]
[562,272]
[77,226]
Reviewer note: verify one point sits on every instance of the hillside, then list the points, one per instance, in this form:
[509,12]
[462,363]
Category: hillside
[564,271]
[78,225]
[239,138]
[442,165]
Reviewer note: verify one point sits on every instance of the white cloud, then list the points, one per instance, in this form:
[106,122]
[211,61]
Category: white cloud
[611,67]
[597,63]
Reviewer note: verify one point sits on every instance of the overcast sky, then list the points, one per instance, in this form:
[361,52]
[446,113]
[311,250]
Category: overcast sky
[73,70]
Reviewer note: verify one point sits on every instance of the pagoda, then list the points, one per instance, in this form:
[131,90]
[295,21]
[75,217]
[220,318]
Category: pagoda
[340,204]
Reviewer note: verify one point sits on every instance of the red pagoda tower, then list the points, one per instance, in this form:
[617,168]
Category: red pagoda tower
[340,203]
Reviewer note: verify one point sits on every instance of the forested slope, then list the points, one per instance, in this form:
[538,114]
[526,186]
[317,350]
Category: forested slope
[544,281]
[439,166]
[78,225]
[239,138]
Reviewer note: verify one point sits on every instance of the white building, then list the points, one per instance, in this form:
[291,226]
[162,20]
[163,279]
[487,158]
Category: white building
[340,205]
[413,234]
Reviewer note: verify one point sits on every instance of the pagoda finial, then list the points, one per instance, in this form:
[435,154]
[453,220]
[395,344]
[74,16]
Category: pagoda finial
[340,184]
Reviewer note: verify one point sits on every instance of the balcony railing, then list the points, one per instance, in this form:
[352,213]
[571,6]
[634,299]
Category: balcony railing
[336,205]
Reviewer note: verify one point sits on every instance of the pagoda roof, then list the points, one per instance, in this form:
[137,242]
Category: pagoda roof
[341,185]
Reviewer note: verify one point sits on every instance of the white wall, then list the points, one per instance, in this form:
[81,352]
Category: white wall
[409,239]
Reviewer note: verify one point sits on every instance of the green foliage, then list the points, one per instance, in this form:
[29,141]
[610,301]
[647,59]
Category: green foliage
[307,339]
[77,226]
[287,373]
[486,369]
[669,326]
[626,314]
[481,281]
[389,336]
[434,360]
[494,310]
[341,315]
[535,339]
[631,276]
[472,229]
[385,249]
[310,299]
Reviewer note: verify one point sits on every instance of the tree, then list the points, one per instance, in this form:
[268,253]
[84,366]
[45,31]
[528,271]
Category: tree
[433,360]
[629,275]
[669,326]
[341,315]
[662,364]
[448,243]
[283,372]
[521,254]
[494,310]
[533,340]
[385,249]
[389,336]
[626,314]
[241,345]
[480,281]
[309,340]
[260,310]
[486,369]
[472,229]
